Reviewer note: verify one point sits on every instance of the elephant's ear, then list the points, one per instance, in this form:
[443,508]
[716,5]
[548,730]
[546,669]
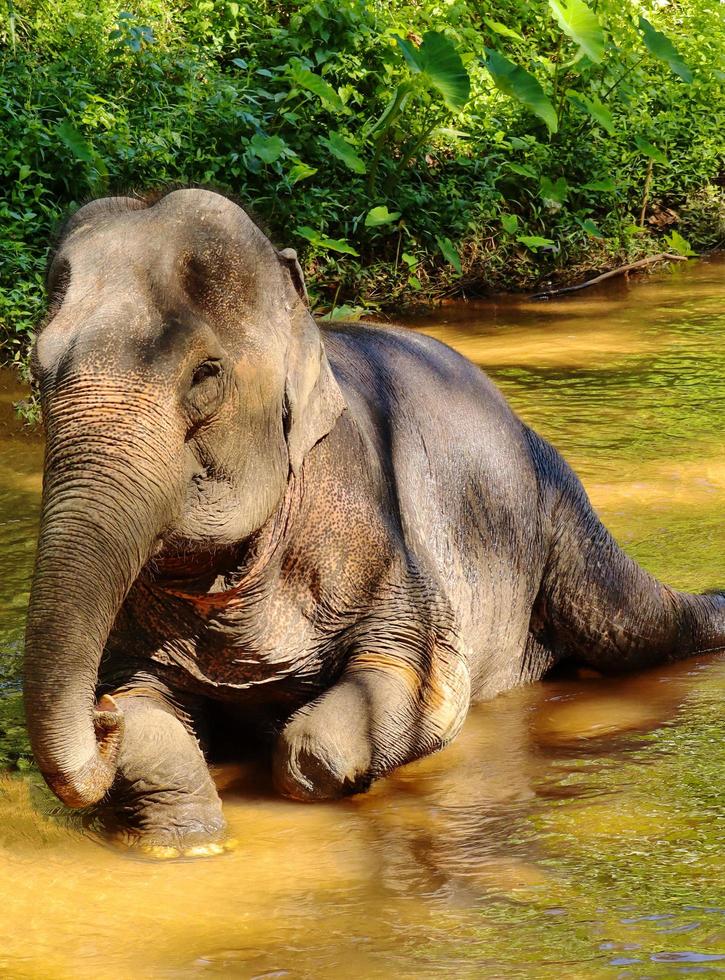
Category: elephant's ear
[289,259]
[313,400]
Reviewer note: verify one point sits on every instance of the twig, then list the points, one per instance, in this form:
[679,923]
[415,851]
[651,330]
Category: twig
[645,193]
[662,257]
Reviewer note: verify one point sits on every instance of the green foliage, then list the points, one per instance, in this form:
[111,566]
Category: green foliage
[679,245]
[582,25]
[14,745]
[661,47]
[321,114]
[515,81]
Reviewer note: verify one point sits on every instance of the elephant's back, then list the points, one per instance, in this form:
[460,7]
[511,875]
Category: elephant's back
[462,472]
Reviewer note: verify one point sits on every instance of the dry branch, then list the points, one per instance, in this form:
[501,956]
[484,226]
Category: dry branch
[622,270]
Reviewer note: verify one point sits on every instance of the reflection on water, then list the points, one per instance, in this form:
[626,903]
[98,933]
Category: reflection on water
[573,829]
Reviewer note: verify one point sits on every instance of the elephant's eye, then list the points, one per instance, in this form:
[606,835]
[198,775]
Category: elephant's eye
[207,369]
[207,390]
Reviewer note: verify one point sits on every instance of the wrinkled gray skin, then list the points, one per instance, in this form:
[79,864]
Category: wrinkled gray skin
[339,536]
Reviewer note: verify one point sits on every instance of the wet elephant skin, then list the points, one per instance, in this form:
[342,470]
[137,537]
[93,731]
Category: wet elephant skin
[338,536]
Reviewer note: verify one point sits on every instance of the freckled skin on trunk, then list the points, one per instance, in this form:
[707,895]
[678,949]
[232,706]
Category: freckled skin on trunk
[341,535]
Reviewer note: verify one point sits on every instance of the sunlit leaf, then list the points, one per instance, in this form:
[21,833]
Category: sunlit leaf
[438,59]
[590,228]
[522,169]
[300,171]
[380,216]
[650,151]
[306,79]
[581,24]
[332,244]
[510,223]
[676,243]
[449,253]
[498,28]
[340,148]
[535,242]
[518,83]
[344,312]
[661,47]
[410,52]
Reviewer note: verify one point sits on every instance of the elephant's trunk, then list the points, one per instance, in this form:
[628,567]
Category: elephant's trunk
[109,490]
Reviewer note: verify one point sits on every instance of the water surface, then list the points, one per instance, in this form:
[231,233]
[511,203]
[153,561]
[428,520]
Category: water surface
[574,829]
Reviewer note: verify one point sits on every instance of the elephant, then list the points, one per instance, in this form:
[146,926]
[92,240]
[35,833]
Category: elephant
[333,538]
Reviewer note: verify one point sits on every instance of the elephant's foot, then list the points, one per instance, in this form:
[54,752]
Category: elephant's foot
[310,765]
[378,716]
[183,848]
[163,802]
[165,836]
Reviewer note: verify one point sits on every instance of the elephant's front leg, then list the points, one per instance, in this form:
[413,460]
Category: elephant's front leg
[163,799]
[383,712]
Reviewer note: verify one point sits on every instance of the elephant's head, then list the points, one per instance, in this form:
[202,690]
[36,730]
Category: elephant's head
[182,381]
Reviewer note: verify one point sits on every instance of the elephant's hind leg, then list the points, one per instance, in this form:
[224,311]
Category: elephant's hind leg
[163,799]
[599,606]
[382,713]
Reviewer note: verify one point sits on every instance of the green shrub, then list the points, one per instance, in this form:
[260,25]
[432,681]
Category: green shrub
[406,148]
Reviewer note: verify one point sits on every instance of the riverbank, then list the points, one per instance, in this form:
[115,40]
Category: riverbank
[409,151]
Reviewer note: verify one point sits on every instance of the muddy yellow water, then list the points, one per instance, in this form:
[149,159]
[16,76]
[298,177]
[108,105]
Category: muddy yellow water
[575,829]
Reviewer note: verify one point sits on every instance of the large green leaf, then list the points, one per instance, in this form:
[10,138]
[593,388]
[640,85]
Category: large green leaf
[410,52]
[580,23]
[590,227]
[515,81]
[535,242]
[75,142]
[498,28]
[439,61]
[340,148]
[661,47]
[676,243]
[306,79]
[605,185]
[331,244]
[380,216]
[449,253]
[300,171]
[267,148]
[650,151]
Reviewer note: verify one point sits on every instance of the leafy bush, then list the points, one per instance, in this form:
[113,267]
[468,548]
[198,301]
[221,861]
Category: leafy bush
[406,148]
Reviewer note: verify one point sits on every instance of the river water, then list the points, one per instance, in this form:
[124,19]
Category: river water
[575,828]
